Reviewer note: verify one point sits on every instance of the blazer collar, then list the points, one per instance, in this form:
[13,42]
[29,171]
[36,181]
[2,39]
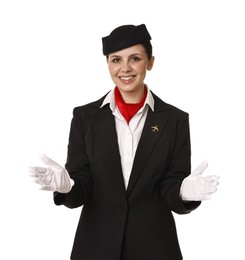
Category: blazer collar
[110,99]
[156,104]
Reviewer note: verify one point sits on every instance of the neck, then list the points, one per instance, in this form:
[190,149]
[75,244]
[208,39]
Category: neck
[133,97]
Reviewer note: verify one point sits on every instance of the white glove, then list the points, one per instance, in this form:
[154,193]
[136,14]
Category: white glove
[196,187]
[53,178]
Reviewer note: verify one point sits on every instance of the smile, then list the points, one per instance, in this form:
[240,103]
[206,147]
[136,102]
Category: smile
[126,78]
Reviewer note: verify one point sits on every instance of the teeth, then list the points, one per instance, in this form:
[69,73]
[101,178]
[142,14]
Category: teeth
[126,78]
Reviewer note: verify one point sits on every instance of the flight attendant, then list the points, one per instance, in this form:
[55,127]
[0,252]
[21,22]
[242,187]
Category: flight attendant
[128,163]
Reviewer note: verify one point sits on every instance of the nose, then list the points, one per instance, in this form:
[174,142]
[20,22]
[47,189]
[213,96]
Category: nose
[126,67]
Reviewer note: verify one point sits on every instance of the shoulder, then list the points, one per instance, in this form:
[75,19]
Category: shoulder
[87,107]
[170,110]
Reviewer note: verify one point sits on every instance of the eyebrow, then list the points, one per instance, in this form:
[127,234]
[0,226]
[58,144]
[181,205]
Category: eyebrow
[118,56]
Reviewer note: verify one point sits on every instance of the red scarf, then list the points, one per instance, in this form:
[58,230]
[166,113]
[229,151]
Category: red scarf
[128,110]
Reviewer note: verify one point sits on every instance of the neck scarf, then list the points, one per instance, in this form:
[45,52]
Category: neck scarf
[128,110]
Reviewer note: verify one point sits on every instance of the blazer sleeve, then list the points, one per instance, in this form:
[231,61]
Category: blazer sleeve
[179,167]
[77,165]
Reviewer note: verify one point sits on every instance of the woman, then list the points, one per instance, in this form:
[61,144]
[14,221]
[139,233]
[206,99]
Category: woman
[128,163]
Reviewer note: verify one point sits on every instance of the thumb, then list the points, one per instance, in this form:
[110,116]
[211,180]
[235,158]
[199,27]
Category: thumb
[200,169]
[46,160]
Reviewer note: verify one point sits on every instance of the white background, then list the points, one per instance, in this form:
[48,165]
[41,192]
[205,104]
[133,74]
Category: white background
[51,61]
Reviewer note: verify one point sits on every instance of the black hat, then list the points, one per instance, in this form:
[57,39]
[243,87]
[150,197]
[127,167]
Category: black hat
[125,36]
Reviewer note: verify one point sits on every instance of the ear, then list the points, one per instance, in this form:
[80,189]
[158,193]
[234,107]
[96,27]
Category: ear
[150,63]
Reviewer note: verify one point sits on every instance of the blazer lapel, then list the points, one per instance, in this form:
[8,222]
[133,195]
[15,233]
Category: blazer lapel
[105,130]
[153,129]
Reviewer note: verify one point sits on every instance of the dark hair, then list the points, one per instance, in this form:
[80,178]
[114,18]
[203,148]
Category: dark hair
[148,49]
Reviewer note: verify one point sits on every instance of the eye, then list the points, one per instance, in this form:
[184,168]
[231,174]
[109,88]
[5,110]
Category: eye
[115,60]
[135,58]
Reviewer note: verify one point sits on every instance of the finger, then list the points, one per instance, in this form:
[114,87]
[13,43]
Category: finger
[48,161]
[211,190]
[47,188]
[41,181]
[211,178]
[37,171]
[200,169]
[208,188]
[205,197]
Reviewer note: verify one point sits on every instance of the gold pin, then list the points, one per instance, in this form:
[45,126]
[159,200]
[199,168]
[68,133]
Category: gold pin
[154,128]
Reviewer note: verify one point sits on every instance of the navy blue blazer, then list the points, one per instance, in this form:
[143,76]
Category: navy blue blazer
[142,214]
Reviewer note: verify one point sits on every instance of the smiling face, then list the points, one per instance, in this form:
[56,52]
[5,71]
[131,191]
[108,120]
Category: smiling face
[128,69]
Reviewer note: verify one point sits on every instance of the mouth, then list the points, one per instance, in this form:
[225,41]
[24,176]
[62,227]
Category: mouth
[126,79]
